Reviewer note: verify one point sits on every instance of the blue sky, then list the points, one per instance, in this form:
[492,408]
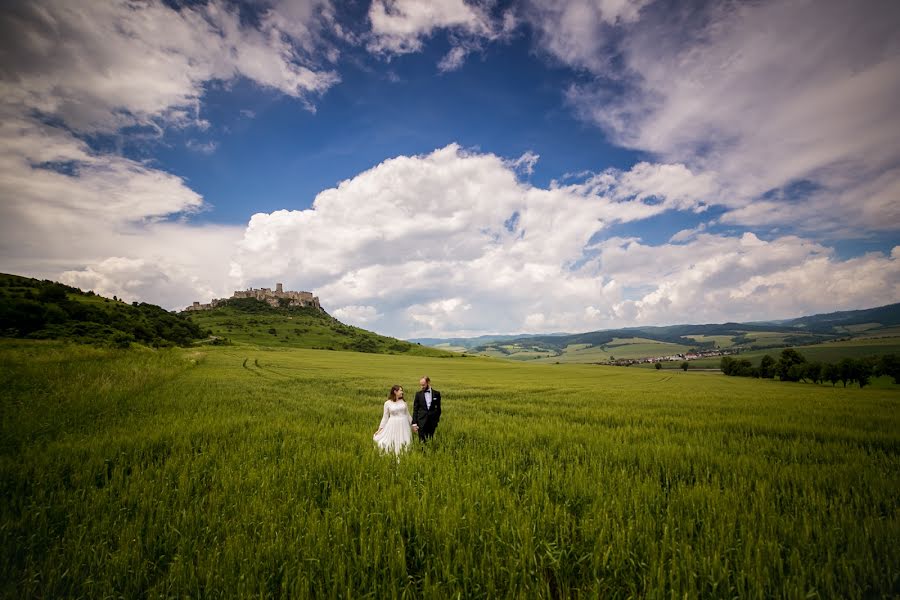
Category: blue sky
[459,167]
[507,101]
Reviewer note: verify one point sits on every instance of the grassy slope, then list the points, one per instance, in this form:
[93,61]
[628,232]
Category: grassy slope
[242,471]
[250,322]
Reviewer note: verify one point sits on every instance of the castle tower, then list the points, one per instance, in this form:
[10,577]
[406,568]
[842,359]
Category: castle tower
[279,289]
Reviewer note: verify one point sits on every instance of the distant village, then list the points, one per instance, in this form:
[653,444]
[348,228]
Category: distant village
[624,362]
[275,298]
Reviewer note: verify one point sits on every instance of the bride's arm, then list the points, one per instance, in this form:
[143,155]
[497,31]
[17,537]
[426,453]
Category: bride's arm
[385,418]
[408,416]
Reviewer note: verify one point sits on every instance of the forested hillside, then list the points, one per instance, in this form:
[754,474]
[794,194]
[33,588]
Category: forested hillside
[35,309]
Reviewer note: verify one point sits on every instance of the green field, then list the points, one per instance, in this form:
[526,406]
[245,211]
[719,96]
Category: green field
[824,352]
[237,471]
[618,348]
[722,341]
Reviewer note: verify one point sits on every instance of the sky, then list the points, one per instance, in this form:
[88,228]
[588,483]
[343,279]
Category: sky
[458,168]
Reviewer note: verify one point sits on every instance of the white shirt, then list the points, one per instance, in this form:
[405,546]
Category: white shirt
[428,398]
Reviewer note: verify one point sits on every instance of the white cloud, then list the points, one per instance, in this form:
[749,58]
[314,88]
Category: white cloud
[715,278]
[402,26]
[453,60]
[361,316]
[100,66]
[454,243]
[763,95]
[202,147]
[576,32]
[171,282]
[526,162]
[100,220]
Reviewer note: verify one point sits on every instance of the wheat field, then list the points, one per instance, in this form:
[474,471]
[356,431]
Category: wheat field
[238,471]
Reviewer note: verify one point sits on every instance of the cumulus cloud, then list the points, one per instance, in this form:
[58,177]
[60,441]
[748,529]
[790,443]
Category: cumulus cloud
[454,243]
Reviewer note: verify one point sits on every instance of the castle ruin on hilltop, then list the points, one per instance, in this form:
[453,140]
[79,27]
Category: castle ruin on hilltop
[277,298]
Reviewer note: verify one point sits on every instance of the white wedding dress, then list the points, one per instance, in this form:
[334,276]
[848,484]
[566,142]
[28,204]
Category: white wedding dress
[394,432]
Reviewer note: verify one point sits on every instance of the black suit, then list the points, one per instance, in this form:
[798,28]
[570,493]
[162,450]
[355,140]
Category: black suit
[427,419]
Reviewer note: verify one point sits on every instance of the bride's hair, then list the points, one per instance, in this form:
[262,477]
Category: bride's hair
[393,394]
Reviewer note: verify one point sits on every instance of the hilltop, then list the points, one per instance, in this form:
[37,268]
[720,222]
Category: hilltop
[42,309]
[252,321]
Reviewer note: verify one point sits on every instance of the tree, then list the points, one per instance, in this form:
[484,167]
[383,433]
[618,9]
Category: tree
[726,364]
[657,366]
[889,365]
[813,372]
[53,292]
[120,339]
[845,370]
[684,366]
[767,367]
[737,367]
[862,372]
[831,372]
[789,358]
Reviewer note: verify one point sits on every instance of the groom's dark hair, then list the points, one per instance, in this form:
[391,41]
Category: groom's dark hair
[426,378]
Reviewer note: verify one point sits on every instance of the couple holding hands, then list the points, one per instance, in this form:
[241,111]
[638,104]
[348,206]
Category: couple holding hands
[396,427]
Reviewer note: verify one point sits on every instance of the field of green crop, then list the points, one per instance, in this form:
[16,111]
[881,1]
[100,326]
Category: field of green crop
[824,352]
[234,471]
[722,341]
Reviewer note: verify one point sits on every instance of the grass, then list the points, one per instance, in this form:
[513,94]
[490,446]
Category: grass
[722,341]
[239,471]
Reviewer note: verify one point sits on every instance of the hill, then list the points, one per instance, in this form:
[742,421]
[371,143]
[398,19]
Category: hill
[635,343]
[35,309]
[251,321]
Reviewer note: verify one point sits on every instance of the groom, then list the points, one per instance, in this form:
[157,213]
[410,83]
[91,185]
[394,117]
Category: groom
[426,410]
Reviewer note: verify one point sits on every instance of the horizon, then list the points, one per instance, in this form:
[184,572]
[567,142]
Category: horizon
[446,169]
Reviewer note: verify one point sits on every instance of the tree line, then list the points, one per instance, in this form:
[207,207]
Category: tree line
[791,365]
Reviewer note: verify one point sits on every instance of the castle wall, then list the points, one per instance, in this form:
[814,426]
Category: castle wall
[266,295]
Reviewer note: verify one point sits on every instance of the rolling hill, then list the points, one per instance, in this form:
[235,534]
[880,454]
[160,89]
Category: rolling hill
[251,321]
[36,309]
[634,343]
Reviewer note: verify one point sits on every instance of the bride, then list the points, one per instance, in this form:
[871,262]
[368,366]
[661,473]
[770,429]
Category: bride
[394,432]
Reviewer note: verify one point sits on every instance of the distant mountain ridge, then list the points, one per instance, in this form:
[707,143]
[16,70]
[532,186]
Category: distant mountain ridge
[798,330]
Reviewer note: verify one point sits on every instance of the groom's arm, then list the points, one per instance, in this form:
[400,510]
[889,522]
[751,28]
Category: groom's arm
[415,411]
